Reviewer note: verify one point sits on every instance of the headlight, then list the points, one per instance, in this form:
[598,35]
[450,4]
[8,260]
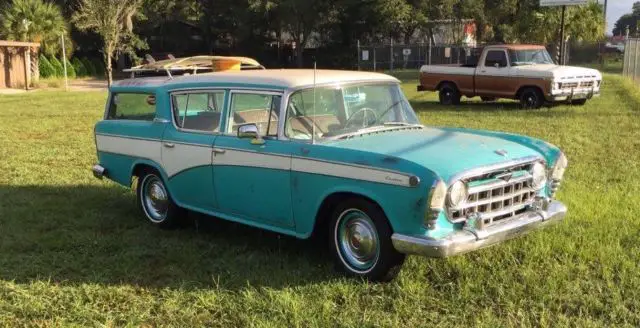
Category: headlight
[458,194]
[539,175]
[559,167]
[438,195]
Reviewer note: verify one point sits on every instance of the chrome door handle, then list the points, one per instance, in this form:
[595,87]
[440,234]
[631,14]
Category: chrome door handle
[218,151]
[169,145]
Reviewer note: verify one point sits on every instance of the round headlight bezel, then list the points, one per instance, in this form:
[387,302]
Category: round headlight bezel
[458,194]
[557,172]
[539,175]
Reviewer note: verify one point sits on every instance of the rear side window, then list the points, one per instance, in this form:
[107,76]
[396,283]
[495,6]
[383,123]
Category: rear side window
[496,57]
[132,106]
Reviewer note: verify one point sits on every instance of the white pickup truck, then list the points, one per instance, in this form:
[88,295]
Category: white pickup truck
[521,72]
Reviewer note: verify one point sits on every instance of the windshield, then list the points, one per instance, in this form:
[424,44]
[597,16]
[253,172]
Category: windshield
[529,57]
[334,112]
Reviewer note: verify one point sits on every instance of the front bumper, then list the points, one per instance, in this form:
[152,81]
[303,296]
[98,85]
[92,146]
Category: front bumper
[573,94]
[98,171]
[470,239]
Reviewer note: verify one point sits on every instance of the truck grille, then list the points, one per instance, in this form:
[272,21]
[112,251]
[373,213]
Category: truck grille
[497,195]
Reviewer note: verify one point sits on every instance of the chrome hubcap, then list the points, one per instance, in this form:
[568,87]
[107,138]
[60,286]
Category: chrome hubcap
[357,240]
[155,199]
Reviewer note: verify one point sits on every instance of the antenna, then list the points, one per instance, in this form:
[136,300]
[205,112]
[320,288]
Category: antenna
[313,116]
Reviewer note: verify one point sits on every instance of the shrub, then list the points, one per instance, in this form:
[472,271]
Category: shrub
[99,66]
[45,67]
[71,71]
[57,66]
[88,65]
[79,67]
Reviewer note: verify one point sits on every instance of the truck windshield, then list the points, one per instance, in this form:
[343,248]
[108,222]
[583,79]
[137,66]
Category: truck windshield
[529,57]
[331,112]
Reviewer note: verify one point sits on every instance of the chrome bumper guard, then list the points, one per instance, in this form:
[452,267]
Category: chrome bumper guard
[98,171]
[472,239]
[575,94]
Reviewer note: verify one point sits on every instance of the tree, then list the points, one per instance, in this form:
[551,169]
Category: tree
[34,21]
[113,21]
[630,20]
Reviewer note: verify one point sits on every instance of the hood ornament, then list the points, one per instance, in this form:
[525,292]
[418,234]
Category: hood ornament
[501,152]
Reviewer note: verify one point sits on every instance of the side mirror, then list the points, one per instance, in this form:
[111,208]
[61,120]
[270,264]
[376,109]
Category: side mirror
[250,131]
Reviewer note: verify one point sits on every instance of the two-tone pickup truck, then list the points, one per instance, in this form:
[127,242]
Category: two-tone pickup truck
[521,72]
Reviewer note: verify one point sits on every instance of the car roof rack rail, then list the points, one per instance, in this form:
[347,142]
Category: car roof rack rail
[194,65]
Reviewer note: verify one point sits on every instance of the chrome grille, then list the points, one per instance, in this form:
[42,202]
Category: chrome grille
[587,84]
[496,196]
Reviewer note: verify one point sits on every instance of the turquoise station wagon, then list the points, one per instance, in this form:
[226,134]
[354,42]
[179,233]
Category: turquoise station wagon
[336,153]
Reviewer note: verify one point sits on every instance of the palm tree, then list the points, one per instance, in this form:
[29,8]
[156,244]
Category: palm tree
[33,21]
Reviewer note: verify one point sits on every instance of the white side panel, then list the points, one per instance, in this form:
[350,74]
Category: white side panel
[349,171]
[149,149]
[182,157]
[252,159]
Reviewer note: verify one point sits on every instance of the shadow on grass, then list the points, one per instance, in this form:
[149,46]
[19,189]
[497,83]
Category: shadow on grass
[91,234]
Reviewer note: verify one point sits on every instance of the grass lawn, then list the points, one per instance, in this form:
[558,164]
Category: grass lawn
[75,250]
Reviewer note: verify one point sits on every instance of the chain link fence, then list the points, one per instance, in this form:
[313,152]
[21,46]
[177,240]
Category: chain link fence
[390,57]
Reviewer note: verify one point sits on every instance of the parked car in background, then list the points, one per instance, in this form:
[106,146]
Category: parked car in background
[302,152]
[522,72]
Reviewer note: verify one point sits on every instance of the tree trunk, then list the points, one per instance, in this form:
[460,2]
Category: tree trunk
[299,50]
[109,72]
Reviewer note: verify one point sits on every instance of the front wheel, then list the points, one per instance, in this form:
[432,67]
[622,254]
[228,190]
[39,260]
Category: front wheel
[531,98]
[361,241]
[156,203]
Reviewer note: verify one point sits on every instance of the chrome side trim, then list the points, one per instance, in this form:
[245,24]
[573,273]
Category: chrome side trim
[471,239]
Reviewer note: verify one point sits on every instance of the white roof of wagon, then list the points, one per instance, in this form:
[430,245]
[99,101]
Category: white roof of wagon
[285,78]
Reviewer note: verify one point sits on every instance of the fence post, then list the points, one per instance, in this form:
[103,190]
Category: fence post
[391,53]
[374,58]
[358,54]
[635,61]
[429,59]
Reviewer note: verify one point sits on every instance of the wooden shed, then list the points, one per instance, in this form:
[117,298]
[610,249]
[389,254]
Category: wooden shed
[15,63]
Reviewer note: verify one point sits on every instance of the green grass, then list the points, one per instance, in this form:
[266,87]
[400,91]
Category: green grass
[75,250]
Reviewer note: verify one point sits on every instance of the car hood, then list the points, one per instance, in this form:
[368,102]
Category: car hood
[559,72]
[446,152]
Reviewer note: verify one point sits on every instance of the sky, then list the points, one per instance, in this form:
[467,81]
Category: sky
[616,8]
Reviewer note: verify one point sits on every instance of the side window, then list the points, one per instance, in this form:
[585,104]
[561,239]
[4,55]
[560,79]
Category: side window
[260,109]
[132,106]
[198,111]
[496,57]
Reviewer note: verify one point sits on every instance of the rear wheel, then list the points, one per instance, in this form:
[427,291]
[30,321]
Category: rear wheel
[156,203]
[361,241]
[578,102]
[531,98]
[449,94]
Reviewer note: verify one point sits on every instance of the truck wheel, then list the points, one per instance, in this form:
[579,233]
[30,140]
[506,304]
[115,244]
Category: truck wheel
[531,98]
[361,241]
[578,102]
[449,94]
[156,203]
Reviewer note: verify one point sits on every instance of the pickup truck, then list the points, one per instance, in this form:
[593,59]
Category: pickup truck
[521,72]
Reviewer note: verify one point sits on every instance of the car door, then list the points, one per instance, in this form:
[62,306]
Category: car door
[493,76]
[188,143]
[252,177]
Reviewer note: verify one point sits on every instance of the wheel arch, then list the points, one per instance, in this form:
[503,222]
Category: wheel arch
[141,165]
[447,82]
[331,199]
[527,86]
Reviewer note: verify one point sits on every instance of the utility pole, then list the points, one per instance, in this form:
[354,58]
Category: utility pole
[562,49]
[605,17]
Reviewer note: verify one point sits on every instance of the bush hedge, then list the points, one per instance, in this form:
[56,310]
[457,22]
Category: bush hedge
[45,67]
[57,66]
[71,71]
[88,65]
[81,71]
